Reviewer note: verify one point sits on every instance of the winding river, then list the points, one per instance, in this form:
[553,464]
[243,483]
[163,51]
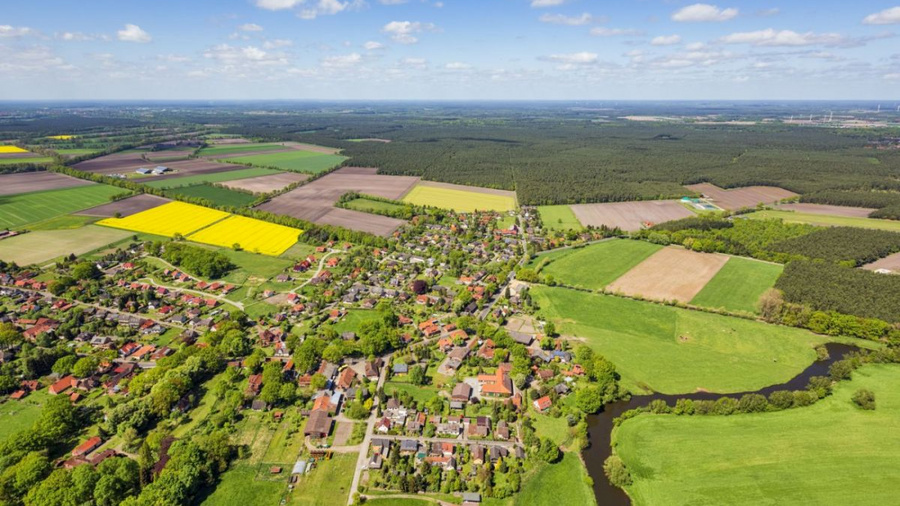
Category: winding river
[600,426]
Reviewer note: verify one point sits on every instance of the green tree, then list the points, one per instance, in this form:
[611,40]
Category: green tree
[864,398]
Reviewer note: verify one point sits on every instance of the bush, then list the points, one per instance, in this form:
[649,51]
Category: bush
[864,398]
[616,473]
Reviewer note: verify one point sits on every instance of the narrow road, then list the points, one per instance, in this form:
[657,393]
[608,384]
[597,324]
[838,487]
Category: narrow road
[370,429]
[220,298]
[318,271]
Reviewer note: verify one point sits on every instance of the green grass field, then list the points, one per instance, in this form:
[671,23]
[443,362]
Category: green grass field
[597,265]
[43,245]
[827,220]
[33,159]
[16,416]
[63,222]
[327,485]
[673,350]
[563,483]
[458,200]
[738,285]
[367,206]
[397,501]
[216,177]
[76,151]
[297,161]
[828,453]
[215,194]
[350,322]
[559,218]
[421,394]
[229,149]
[25,208]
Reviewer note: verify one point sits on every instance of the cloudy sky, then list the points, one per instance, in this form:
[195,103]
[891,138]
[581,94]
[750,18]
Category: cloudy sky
[449,49]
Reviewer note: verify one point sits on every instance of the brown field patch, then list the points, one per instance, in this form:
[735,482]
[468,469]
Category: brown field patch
[169,154]
[313,148]
[129,162]
[26,182]
[470,189]
[218,142]
[630,216]
[671,273]
[126,207]
[266,184]
[116,162]
[850,212]
[315,201]
[342,433]
[738,198]
[889,263]
[27,154]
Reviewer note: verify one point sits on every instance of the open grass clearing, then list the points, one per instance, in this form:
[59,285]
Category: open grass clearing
[672,350]
[326,485]
[368,206]
[421,394]
[297,160]
[827,220]
[464,199]
[597,265]
[43,245]
[16,416]
[738,285]
[352,320]
[19,210]
[828,453]
[560,217]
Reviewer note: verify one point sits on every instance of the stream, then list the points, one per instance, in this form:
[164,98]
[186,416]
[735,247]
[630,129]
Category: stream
[600,426]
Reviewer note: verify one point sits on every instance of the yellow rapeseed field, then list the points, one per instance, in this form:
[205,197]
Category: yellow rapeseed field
[168,219]
[11,149]
[61,137]
[252,235]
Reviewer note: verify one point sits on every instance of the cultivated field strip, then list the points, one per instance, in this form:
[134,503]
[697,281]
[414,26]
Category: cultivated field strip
[828,210]
[266,184]
[738,198]
[252,235]
[630,216]
[168,219]
[27,182]
[126,207]
[672,273]
[460,198]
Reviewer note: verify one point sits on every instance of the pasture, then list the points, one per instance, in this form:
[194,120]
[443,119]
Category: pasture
[672,350]
[232,149]
[43,245]
[215,194]
[463,199]
[367,205]
[19,210]
[738,285]
[296,160]
[672,273]
[562,483]
[739,198]
[253,235]
[16,416]
[828,453]
[826,220]
[168,219]
[560,217]
[630,216]
[214,177]
[595,266]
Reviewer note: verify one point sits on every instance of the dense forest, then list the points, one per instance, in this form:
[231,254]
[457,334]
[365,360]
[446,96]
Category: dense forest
[854,246]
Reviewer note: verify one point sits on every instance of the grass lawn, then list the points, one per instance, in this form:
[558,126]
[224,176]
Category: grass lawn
[228,149]
[827,220]
[297,160]
[562,483]
[368,206]
[828,453]
[597,265]
[738,285]
[559,218]
[421,394]
[326,485]
[16,416]
[252,265]
[25,208]
[216,177]
[215,194]
[299,251]
[672,350]
[239,486]
[458,200]
[43,245]
[350,322]
[554,428]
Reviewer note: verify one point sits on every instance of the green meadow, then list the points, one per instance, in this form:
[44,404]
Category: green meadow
[25,208]
[738,285]
[595,266]
[297,160]
[560,217]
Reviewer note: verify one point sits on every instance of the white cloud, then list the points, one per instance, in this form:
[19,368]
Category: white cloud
[278,5]
[326,7]
[704,13]
[666,40]
[547,3]
[28,59]
[695,46]
[392,2]
[373,46]
[250,27]
[276,43]
[404,31]
[240,57]
[439,4]
[582,58]
[133,33]
[8,31]
[342,61]
[173,58]
[415,63]
[80,37]
[886,17]
[561,19]
[457,66]
[770,37]
[602,31]
[892,77]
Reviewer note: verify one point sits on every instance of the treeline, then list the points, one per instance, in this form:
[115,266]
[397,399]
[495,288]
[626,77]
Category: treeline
[198,261]
[849,245]
[825,286]
[886,203]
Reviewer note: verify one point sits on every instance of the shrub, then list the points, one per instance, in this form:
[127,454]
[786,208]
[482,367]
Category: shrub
[616,472]
[864,398]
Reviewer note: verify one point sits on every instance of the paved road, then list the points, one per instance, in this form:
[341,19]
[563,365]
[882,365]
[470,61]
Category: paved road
[220,298]
[370,428]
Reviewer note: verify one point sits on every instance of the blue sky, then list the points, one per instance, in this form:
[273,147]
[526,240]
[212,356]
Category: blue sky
[449,49]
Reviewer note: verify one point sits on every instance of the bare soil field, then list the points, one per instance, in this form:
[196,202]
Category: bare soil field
[169,154]
[129,162]
[471,189]
[315,201]
[26,182]
[29,154]
[266,184]
[116,162]
[849,212]
[238,140]
[672,273]
[313,148]
[630,216]
[890,263]
[126,207]
[738,198]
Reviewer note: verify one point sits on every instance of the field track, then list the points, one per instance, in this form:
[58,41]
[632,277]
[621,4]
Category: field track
[630,216]
[27,182]
[671,273]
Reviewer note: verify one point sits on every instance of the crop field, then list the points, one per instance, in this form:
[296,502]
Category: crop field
[296,160]
[672,273]
[215,194]
[27,182]
[738,285]
[127,162]
[253,235]
[828,210]
[25,159]
[315,201]
[43,245]
[8,149]
[827,220]
[267,184]
[463,199]
[559,217]
[168,219]
[126,207]
[828,453]
[213,177]
[630,216]
[738,198]
[231,149]
[673,350]
[595,266]
[22,209]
